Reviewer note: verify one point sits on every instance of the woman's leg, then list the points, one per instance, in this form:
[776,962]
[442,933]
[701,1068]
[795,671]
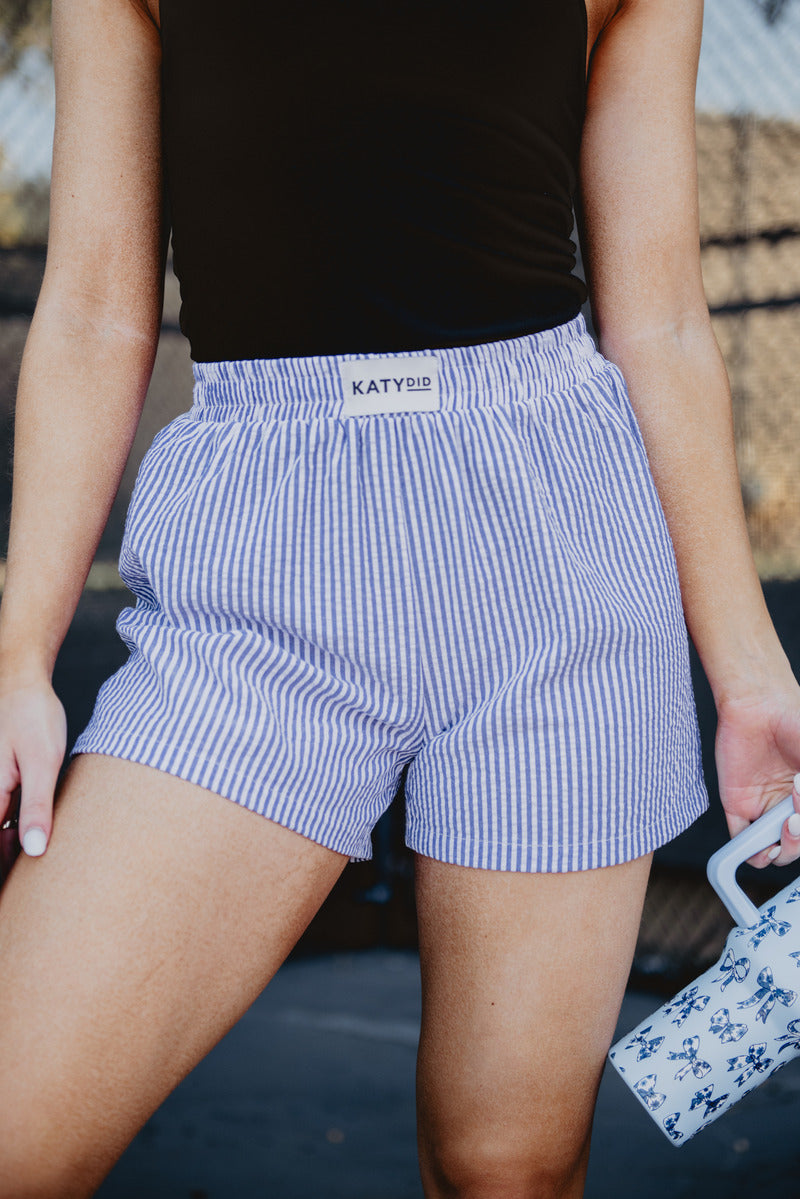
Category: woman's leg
[157,915]
[522,980]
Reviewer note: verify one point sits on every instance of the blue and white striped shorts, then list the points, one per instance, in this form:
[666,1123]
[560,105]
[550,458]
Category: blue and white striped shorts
[339,573]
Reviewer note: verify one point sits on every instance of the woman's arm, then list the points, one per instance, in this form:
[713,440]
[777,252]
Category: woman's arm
[85,368]
[640,214]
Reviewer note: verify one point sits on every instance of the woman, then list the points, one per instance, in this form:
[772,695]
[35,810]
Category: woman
[413,516]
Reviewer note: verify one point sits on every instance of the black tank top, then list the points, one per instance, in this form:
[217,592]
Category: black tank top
[352,176]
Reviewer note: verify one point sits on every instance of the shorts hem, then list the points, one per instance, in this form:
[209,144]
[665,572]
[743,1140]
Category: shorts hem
[554,857]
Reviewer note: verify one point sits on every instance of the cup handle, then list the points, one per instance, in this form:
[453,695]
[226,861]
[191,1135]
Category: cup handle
[723,864]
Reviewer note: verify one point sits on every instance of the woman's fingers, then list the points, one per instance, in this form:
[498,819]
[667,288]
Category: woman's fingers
[34,732]
[789,849]
[39,763]
[39,774]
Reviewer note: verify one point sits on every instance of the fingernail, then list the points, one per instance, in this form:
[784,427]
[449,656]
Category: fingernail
[796,781]
[34,842]
[793,824]
[773,853]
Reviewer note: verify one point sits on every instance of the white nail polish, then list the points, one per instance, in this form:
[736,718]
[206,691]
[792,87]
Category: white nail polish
[793,824]
[34,842]
[773,853]
[796,782]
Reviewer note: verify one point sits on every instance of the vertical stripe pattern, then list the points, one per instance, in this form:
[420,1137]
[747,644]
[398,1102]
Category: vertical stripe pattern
[486,592]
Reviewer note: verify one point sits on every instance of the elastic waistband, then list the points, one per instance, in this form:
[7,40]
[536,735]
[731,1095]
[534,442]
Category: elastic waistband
[354,384]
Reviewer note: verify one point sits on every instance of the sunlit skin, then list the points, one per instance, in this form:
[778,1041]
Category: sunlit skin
[141,907]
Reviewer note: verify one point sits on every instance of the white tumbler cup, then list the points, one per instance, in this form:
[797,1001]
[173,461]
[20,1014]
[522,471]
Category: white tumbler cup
[736,1024]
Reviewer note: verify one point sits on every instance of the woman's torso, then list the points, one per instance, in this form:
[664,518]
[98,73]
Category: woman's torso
[352,177]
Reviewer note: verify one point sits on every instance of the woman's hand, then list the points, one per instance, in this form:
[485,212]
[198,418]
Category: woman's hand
[33,738]
[758,759]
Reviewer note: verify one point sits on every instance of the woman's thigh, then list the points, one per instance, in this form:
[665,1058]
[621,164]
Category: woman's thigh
[158,913]
[522,980]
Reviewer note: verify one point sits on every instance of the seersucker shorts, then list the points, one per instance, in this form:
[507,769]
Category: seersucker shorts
[452,560]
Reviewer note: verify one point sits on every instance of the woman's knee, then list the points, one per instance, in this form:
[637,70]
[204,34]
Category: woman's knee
[504,1163]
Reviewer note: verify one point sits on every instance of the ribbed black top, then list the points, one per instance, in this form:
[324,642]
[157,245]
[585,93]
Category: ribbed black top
[351,176]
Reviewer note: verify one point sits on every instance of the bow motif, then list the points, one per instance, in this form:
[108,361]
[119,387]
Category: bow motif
[750,1062]
[669,1124]
[770,994]
[723,1027]
[645,1088]
[792,1037]
[796,956]
[735,968]
[685,1004]
[793,896]
[704,1096]
[768,924]
[646,1048]
[698,1067]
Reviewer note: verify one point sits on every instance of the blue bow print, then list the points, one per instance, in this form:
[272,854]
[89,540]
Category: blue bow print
[685,1004]
[735,968]
[792,1037]
[646,1048]
[770,994]
[723,1027]
[645,1088]
[704,1096]
[796,956]
[793,896]
[669,1124]
[698,1067]
[768,924]
[750,1062]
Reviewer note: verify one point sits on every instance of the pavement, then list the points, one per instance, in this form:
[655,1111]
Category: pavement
[311,1094]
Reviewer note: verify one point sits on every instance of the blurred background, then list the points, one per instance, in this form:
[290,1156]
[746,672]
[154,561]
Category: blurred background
[748,132]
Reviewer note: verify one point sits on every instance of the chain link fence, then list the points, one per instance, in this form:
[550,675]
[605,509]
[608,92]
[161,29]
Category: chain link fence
[748,128]
[748,135]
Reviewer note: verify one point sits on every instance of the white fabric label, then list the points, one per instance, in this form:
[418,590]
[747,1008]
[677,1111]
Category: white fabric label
[390,385]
